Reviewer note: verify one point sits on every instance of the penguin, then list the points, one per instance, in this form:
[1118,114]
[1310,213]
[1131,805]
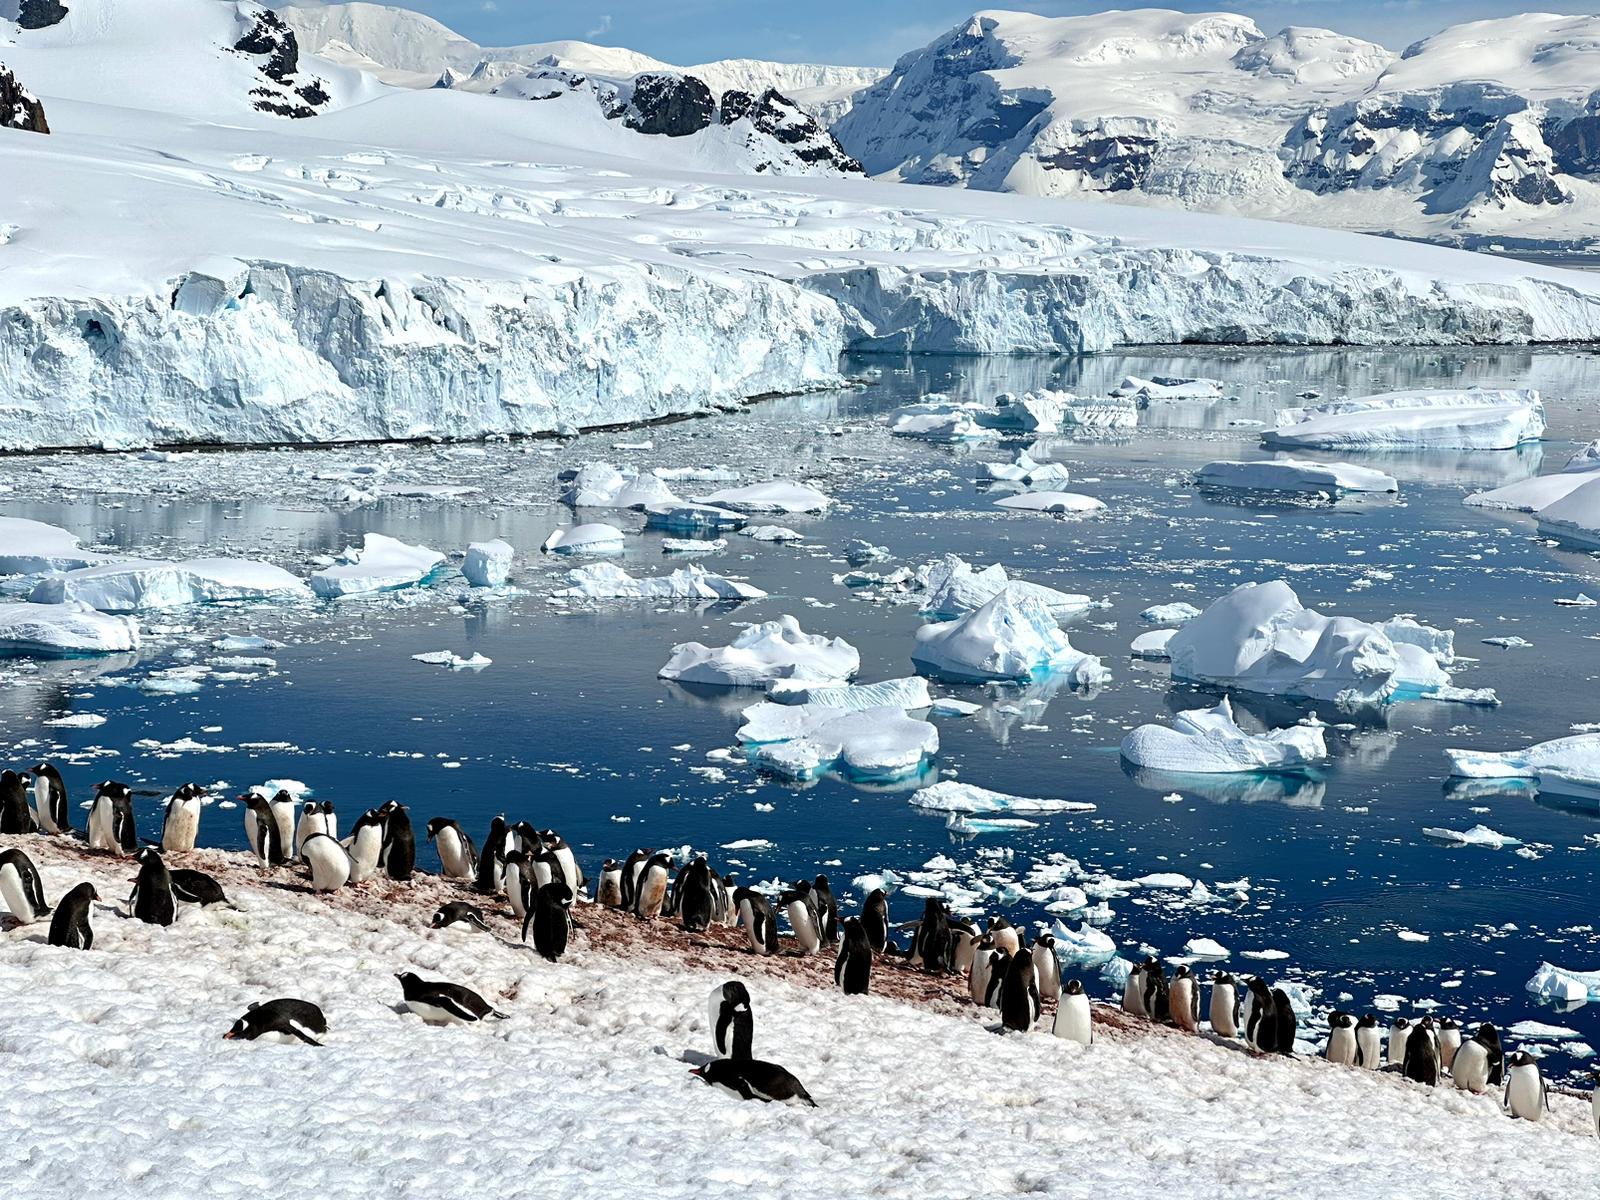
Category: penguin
[726,887]
[551,919]
[630,874]
[180,828]
[196,887]
[827,910]
[399,853]
[1133,990]
[1004,934]
[441,1003]
[875,919]
[1157,1000]
[1224,1005]
[570,871]
[1479,1065]
[1048,967]
[70,926]
[1019,993]
[852,970]
[458,857]
[365,845]
[1341,1047]
[609,890]
[983,961]
[281,808]
[1594,1102]
[544,867]
[732,1025]
[262,829]
[697,896]
[111,826]
[487,881]
[755,912]
[1369,1043]
[152,900]
[1072,1014]
[50,800]
[315,817]
[752,1079]
[1526,1096]
[1399,1033]
[330,863]
[1421,1061]
[799,905]
[1183,999]
[282,1020]
[930,944]
[999,967]
[1260,1016]
[15,815]
[650,890]
[1284,1011]
[1449,1034]
[21,888]
[520,883]
[459,912]
[963,945]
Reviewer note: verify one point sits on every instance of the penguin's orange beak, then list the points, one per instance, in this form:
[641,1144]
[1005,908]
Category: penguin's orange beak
[228,1037]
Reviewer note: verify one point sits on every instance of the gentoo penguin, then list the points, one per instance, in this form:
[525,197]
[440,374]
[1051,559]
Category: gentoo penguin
[1341,1039]
[755,913]
[520,883]
[152,900]
[1047,966]
[930,944]
[21,888]
[697,896]
[983,963]
[1594,1102]
[650,890]
[1133,990]
[15,815]
[1479,1065]
[399,852]
[1369,1043]
[753,1079]
[1157,1001]
[630,874]
[1224,1005]
[963,945]
[1260,1016]
[313,819]
[196,887]
[551,918]
[330,863]
[726,887]
[487,882]
[875,919]
[732,1025]
[281,807]
[1399,1034]
[365,845]
[111,819]
[1284,1010]
[262,829]
[1004,934]
[180,828]
[459,912]
[50,800]
[852,970]
[827,910]
[1072,1014]
[999,968]
[1421,1061]
[441,1003]
[609,890]
[1019,993]
[1183,999]
[1449,1041]
[799,905]
[557,845]
[1526,1095]
[284,1020]
[458,857]
[70,926]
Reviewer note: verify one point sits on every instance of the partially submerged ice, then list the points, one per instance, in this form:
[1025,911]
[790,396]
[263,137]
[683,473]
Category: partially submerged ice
[1575,517]
[1294,475]
[939,421]
[488,564]
[1012,636]
[1427,419]
[882,744]
[64,629]
[954,588]
[686,516]
[908,692]
[1541,491]
[1024,469]
[33,548]
[596,537]
[137,584]
[1208,741]
[1551,982]
[607,581]
[1168,387]
[1052,502]
[778,496]
[379,564]
[762,653]
[601,485]
[950,795]
[1567,765]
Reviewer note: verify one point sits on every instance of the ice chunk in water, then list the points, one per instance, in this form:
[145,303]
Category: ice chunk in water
[380,564]
[802,741]
[1012,636]
[594,538]
[1570,987]
[65,629]
[1437,419]
[488,564]
[1209,741]
[607,581]
[1570,765]
[954,588]
[762,653]
[951,796]
[779,496]
[1294,475]
[32,548]
[137,584]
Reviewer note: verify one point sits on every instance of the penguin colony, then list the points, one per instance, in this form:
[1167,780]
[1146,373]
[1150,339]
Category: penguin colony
[537,874]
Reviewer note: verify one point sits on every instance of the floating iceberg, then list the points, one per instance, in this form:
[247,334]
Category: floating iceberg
[762,653]
[964,825]
[601,485]
[67,628]
[33,548]
[488,564]
[380,565]
[1168,387]
[1208,741]
[607,581]
[909,692]
[1012,636]
[1051,502]
[1023,469]
[1575,517]
[693,545]
[1206,948]
[137,584]
[688,517]
[1294,475]
[1478,835]
[1152,645]
[594,538]
[448,658]
[952,796]
[1570,987]
[1169,614]
[802,741]
[939,421]
[771,533]
[779,496]
[1085,946]
[1443,419]
[954,589]
[1533,495]
[1566,765]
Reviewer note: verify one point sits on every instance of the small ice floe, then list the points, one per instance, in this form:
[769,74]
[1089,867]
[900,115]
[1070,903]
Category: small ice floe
[861,552]
[1541,491]
[762,653]
[1013,636]
[380,564]
[886,881]
[1575,517]
[425,491]
[601,485]
[771,533]
[778,496]
[959,824]
[1578,601]
[1031,412]
[1084,946]
[76,721]
[1551,982]
[1205,948]
[594,538]
[1058,503]
[1271,956]
[134,585]
[66,629]
[693,545]
[607,581]
[1169,614]
[939,421]
[1511,642]
[1410,935]
[1025,470]
[1152,645]
[447,658]
[1478,835]
[952,796]
[1568,765]
[884,744]
[1440,419]
[34,548]
[949,706]
[1540,1031]
[951,587]
[748,844]
[488,564]
[688,517]
[1168,387]
[236,643]
[1294,475]
[1209,741]
[712,474]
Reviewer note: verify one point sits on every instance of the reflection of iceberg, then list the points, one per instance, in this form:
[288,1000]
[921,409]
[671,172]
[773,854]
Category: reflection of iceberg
[1301,790]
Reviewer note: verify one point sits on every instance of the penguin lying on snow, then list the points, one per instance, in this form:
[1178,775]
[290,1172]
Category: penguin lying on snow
[732,1024]
[441,1003]
[283,1020]
[752,1079]
[70,926]
[196,887]
[21,888]
[459,912]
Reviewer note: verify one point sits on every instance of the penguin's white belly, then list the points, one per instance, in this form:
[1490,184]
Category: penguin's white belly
[514,893]
[610,893]
[1471,1068]
[1072,1019]
[101,836]
[330,866]
[1180,1003]
[1524,1095]
[1222,1022]
[15,895]
[1448,1045]
[364,853]
[652,892]
[1133,996]
[1342,1047]
[435,1015]
[283,815]
[452,854]
[804,931]
[182,831]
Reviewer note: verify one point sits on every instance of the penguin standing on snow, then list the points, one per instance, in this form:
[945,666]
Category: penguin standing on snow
[262,830]
[1157,1000]
[551,918]
[1341,1039]
[180,827]
[152,900]
[827,910]
[196,887]
[1421,1061]
[50,800]
[70,926]
[459,912]
[984,958]
[1072,1015]
[760,922]
[1005,935]
[1526,1097]
[1019,993]
[1449,1042]
[520,883]
[631,867]
[1479,1065]
[458,857]
[963,945]
[21,888]
[441,1003]
[1183,999]
[609,890]
[1260,1017]
[570,871]
[1283,1010]
[111,826]
[650,891]
[15,815]
[1047,966]
[285,1020]
[697,896]
[487,882]
[732,1025]
[281,807]
[399,853]
[799,905]
[330,863]
[1224,1005]
[365,845]
[1369,1043]
[852,970]
[999,968]
[752,1079]
[930,944]
[875,919]
[1399,1034]
[1133,990]
[315,817]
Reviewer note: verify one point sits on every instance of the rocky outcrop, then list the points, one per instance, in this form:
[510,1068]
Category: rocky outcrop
[785,122]
[669,105]
[40,14]
[19,108]
[284,92]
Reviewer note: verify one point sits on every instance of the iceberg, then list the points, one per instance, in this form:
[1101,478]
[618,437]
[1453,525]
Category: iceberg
[448,658]
[909,692]
[1575,517]
[1294,475]
[1032,412]
[1206,948]
[883,744]
[771,533]
[1169,614]
[488,564]
[1209,741]
[136,584]
[66,628]
[607,581]
[1085,946]
[1051,502]
[1551,982]
[687,517]
[1478,835]
[33,548]
[594,538]
[1152,645]
[693,545]
[381,564]
[779,496]
[963,825]
[1025,470]
[939,421]
[1167,387]
[953,589]
[1433,419]
[1568,765]
[762,653]
[952,796]
[1541,491]
[601,485]
[1012,636]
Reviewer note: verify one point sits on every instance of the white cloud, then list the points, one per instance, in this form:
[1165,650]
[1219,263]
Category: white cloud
[603,27]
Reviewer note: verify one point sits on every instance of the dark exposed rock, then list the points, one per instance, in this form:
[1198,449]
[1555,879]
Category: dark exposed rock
[1575,143]
[40,14]
[293,97]
[669,105]
[736,105]
[1112,164]
[781,119]
[19,108]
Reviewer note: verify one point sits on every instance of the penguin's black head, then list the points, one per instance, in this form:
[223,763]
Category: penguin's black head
[1182,972]
[736,994]
[241,1028]
[438,921]
[1521,1059]
[1447,1023]
[1338,1020]
[1222,977]
[147,854]
[1401,1023]
[282,796]
[1427,1022]
[43,768]
[1073,987]
[1046,940]
[1368,1021]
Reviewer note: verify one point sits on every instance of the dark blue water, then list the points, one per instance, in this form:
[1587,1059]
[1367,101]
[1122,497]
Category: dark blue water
[570,728]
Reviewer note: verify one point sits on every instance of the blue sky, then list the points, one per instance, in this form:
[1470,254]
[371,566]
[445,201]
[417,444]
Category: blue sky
[877,31]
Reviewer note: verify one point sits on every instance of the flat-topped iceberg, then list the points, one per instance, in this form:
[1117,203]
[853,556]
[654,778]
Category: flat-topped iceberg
[1152,645]
[1294,475]
[1575,517]
[66,628]
[488,564]
[601,485]
[1208,741]
[1567,764]
[954,588]
[33,548]
[1051,502]
[1175,613]
[1428,419]
[949,795]
[1031,412]
[778,496]
[1168,387]
[685,516]
[593,538]
[908,692]
[607,581]
[883,744]
[1012,636]
[380,564]
[762,653]
[1478,835]
[939,421]
[1569,987]
[1541,491]
[137,584]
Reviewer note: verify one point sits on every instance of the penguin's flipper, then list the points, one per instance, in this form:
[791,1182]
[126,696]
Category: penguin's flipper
[302,1035]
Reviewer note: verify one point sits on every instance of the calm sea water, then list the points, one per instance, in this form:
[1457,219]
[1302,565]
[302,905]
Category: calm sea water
[571,728]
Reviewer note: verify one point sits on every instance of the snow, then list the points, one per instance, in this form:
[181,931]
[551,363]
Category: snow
[1051,502]
[1012,636]
[488,564]
[953,588]
[952,796]
[1478,835]
[1429,419]
[381,563]
[33,548]
[137,584]
[1209,741]
[1568,764]
[66,629]
[1551,982]
[594,538]
[1575,517]
[762,653]
[881,744]
[1294,475]
[607,581]
[779,496]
